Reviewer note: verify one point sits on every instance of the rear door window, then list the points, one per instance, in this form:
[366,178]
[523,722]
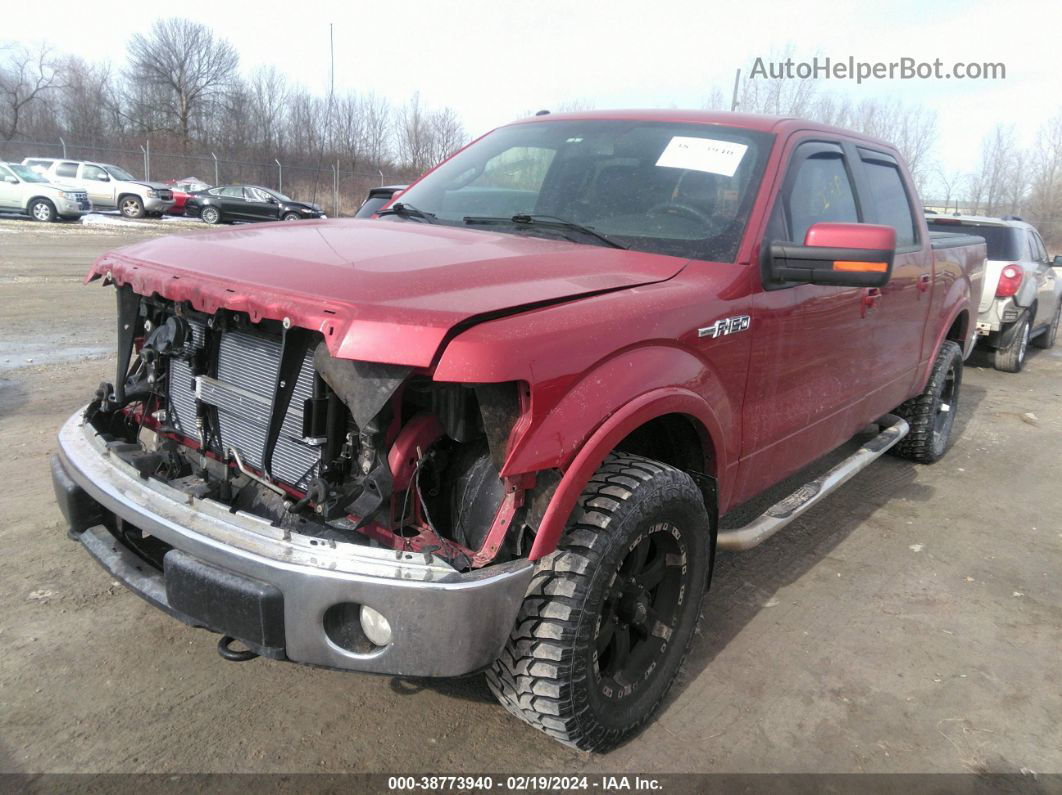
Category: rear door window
[1004,242]
[888,202]
[66,170]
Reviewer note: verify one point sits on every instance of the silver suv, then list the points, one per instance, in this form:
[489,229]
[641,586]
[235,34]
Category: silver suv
[109,187]
[22,190]
[1022,295]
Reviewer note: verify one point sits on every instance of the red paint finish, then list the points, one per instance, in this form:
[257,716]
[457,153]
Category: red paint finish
[604,340]
[378,291]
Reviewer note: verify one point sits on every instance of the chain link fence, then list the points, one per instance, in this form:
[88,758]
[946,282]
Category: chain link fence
[338,188]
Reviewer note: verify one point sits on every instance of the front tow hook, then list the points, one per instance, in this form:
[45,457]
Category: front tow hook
[233,655]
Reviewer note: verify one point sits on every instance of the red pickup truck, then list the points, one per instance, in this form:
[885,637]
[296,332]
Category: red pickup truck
[496,428]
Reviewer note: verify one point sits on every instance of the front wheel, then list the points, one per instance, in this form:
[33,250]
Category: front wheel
[42,210]
[610,615]
[931,414]
[131,207]
[1011,357]
[1046,339]
[210,215]
[290,217]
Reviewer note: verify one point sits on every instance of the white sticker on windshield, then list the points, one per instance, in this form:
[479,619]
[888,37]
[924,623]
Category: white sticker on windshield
[703,154]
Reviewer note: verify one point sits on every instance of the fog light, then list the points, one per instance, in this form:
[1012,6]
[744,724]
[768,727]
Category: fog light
[375,626]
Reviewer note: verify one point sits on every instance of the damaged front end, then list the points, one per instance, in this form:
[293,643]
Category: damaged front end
[312,462]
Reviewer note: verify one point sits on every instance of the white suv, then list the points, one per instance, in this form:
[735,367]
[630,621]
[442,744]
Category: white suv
[108,187]
[22,190]
[1022,297]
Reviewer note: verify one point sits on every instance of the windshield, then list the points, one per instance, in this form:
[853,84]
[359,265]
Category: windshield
[680,189]
[25,173]
[1003,241]
[120,173]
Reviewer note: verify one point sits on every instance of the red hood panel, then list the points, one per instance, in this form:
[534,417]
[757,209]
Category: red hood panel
[378,290]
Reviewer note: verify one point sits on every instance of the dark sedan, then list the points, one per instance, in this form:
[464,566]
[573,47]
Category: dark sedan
[230,203]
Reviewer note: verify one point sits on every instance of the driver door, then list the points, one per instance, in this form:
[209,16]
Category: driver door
[260,205]
[809,367]
[10,194]
[97,183]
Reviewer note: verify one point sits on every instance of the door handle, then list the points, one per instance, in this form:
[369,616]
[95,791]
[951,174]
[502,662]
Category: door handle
[871,297]
[924,281]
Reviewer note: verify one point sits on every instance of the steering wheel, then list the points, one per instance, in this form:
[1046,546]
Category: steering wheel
[677,208]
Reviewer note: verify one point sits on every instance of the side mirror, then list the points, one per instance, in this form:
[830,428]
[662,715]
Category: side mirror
[103,178]
[271,200]
[1057,262]
[14,180]
[847,255]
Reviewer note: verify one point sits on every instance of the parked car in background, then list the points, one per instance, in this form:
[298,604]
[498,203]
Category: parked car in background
[1022,295]
[377,199]
[109,187]
[182,189]
[229,203]
[23,190]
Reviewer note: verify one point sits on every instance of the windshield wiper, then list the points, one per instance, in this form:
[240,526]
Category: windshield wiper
[403,210]
[545,221]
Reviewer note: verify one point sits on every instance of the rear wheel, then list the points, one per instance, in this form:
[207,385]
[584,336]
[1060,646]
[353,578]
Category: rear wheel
[1011,357]
[211,215]
[1046,339]
[42,210]
[610,615]
[131,207]
[931,414]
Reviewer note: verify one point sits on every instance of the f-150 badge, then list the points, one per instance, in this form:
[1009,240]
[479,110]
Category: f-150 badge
[727,325]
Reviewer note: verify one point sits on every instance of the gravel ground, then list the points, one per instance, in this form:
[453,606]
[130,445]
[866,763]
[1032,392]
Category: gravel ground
[912,623]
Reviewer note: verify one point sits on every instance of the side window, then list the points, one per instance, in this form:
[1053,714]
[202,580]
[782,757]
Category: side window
[255,195]
[889,201]
[1036,246]
[93,172]
[821,191]
[214,191]
[232,193]
[66,170]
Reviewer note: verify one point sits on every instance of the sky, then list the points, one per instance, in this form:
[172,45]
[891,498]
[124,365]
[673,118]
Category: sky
[492,60]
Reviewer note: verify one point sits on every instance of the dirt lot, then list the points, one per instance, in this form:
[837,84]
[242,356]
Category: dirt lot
[911,623]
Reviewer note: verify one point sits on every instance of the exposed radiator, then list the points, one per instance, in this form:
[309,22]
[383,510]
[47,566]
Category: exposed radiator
[243,393]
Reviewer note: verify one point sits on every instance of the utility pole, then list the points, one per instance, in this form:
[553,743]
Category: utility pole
[217,179]
[280,176]
[64,147]
[734,99]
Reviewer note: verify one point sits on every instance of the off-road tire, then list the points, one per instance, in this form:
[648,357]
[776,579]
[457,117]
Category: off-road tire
[549,673]
[928,439]
[210,215]
[1046,338]
[131,206]
[1011,357]
[42,210]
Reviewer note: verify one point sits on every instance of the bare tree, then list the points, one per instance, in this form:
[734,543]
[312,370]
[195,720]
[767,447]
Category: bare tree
[415,145]
[776,95]
[26,78]
[998,180]
[379,129]
[187,66]
[1045,193]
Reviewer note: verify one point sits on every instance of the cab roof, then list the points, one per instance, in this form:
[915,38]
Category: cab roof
[747,121]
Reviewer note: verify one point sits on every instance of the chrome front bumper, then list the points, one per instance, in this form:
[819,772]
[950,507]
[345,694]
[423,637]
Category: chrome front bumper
[153,205]
[444,623]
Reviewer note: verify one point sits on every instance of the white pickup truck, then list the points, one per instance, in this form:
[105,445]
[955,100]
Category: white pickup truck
[22,190]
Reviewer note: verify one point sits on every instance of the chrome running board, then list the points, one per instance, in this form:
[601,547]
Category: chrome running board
[785,511]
